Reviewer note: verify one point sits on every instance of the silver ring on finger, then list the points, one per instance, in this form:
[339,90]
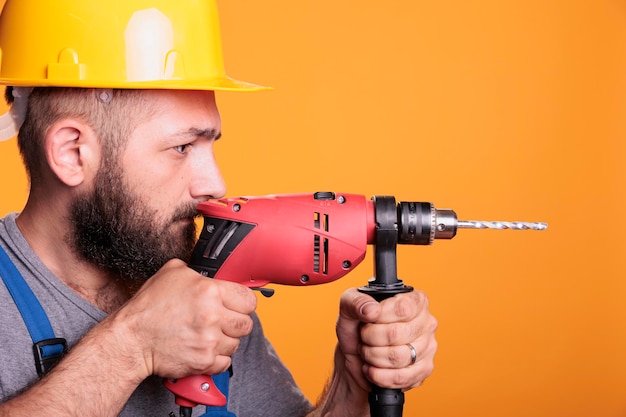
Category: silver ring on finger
[413,353]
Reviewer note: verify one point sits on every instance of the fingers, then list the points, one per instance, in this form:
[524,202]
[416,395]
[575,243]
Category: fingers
[402,378]
[185,323]
[236,297]
[395,357]
[230,309]
[393,366]
[404,373]
[403,319]
[379,335]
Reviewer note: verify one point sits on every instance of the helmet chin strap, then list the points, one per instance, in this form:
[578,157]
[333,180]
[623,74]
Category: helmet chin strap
[11,121]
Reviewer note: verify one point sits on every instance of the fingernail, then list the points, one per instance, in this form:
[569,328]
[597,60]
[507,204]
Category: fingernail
[367,308]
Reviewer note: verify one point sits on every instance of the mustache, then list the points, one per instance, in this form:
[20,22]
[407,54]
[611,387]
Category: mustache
[186,211]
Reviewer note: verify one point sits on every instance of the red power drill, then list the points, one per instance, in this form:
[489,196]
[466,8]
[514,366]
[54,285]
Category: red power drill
[326,234]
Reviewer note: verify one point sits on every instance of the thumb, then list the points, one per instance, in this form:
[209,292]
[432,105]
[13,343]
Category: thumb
[355,308]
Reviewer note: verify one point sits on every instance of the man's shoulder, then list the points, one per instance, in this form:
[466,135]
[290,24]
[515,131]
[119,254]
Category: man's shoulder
[13,242]
[8,227]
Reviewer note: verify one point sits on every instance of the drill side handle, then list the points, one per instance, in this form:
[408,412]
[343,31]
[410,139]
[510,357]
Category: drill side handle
[385,402]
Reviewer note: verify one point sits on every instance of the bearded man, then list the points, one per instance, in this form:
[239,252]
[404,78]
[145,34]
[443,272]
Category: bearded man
[117,168]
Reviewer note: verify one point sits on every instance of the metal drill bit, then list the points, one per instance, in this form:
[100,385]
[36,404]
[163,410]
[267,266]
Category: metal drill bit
[481,224]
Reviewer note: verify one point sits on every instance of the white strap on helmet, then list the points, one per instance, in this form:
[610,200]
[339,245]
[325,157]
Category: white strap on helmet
[11,121]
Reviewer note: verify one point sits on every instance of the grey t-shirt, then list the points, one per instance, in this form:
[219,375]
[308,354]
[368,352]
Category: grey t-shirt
[261,384]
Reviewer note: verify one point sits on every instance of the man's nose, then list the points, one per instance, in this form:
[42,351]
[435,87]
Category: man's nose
[207,182]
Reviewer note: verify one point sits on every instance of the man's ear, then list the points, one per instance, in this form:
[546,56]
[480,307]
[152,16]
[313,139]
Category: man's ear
[72,151]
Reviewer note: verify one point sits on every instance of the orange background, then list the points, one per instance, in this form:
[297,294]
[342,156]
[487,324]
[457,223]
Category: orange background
[501,110]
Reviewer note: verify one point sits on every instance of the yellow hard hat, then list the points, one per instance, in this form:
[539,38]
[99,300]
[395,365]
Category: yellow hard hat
[138,44]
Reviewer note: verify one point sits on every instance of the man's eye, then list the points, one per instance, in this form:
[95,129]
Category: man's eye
[181,148]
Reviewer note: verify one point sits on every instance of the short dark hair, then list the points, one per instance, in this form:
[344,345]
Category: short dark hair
[8,94]
[112,120]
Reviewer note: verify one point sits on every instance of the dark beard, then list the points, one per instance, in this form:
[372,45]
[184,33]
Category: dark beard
[115,231]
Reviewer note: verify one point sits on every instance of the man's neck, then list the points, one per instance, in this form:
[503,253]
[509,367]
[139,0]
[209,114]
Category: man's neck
[47,238]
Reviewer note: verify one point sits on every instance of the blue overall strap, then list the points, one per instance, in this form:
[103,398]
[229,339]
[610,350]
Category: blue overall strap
[221,381]
[46,347]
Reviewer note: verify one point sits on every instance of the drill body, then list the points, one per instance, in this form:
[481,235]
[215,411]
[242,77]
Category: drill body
[311,239]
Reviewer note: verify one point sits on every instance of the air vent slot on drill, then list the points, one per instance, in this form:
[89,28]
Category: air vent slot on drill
[320,244]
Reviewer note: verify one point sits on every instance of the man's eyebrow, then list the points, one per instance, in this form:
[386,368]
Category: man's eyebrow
[195,132]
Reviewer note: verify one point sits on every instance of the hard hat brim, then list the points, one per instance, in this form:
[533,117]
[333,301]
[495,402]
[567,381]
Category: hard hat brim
[215,84]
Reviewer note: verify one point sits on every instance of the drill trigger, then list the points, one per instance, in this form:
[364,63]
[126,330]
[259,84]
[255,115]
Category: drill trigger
[266,292]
